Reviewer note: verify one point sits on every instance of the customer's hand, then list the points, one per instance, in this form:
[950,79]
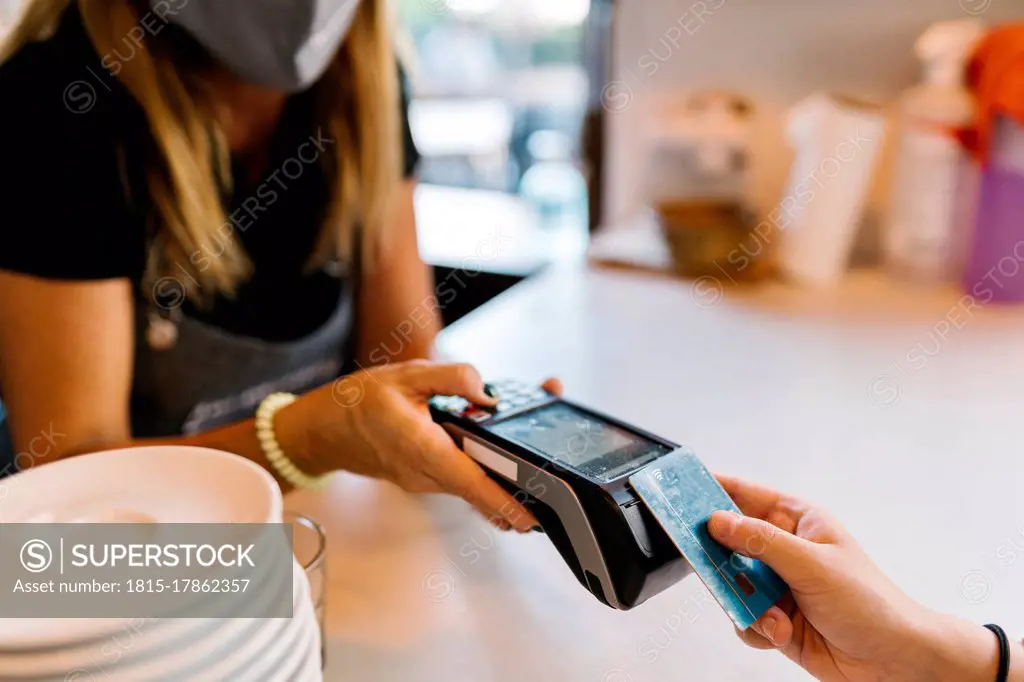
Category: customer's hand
[376,422]
[845,620]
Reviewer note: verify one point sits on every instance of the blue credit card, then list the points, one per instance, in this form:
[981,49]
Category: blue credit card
[682,494]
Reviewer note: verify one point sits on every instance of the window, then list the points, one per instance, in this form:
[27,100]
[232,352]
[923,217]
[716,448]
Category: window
[500,91]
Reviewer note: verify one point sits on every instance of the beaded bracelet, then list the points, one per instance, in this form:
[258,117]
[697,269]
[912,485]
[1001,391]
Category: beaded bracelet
[275,455]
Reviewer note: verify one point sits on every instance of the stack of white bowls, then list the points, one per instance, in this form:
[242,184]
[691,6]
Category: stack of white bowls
[158,485]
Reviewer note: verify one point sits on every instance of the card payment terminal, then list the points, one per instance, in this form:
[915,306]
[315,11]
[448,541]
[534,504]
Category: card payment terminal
[571,466]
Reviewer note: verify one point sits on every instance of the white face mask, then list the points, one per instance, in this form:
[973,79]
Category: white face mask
[282,44]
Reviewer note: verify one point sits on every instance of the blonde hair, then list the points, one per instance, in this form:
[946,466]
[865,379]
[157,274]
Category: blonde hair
[357,106]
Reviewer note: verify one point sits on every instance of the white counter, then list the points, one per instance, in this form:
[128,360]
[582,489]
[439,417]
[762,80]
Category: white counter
[827,396]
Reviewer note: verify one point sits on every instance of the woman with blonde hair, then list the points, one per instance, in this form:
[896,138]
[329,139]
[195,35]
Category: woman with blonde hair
[209,217]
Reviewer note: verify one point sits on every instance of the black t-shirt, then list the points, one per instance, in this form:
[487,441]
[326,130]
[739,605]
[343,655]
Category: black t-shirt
[70,139]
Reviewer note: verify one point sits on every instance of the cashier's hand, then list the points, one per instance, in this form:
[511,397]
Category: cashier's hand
[845,621]
[376,422]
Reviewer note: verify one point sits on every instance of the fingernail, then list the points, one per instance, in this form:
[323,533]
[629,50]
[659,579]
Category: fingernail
[768,628]
[724,524]
[527,526]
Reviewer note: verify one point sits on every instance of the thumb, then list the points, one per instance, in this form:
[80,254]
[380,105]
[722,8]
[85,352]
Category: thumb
[455,379]
[789,556]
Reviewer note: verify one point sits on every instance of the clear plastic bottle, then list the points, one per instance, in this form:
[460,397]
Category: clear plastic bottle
[935,180]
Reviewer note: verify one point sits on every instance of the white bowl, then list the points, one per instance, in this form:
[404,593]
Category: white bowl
[159,484]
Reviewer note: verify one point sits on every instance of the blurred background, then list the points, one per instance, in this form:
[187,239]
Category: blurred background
[666,135]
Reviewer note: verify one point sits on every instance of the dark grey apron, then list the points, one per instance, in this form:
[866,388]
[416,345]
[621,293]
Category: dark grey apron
[210,378]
